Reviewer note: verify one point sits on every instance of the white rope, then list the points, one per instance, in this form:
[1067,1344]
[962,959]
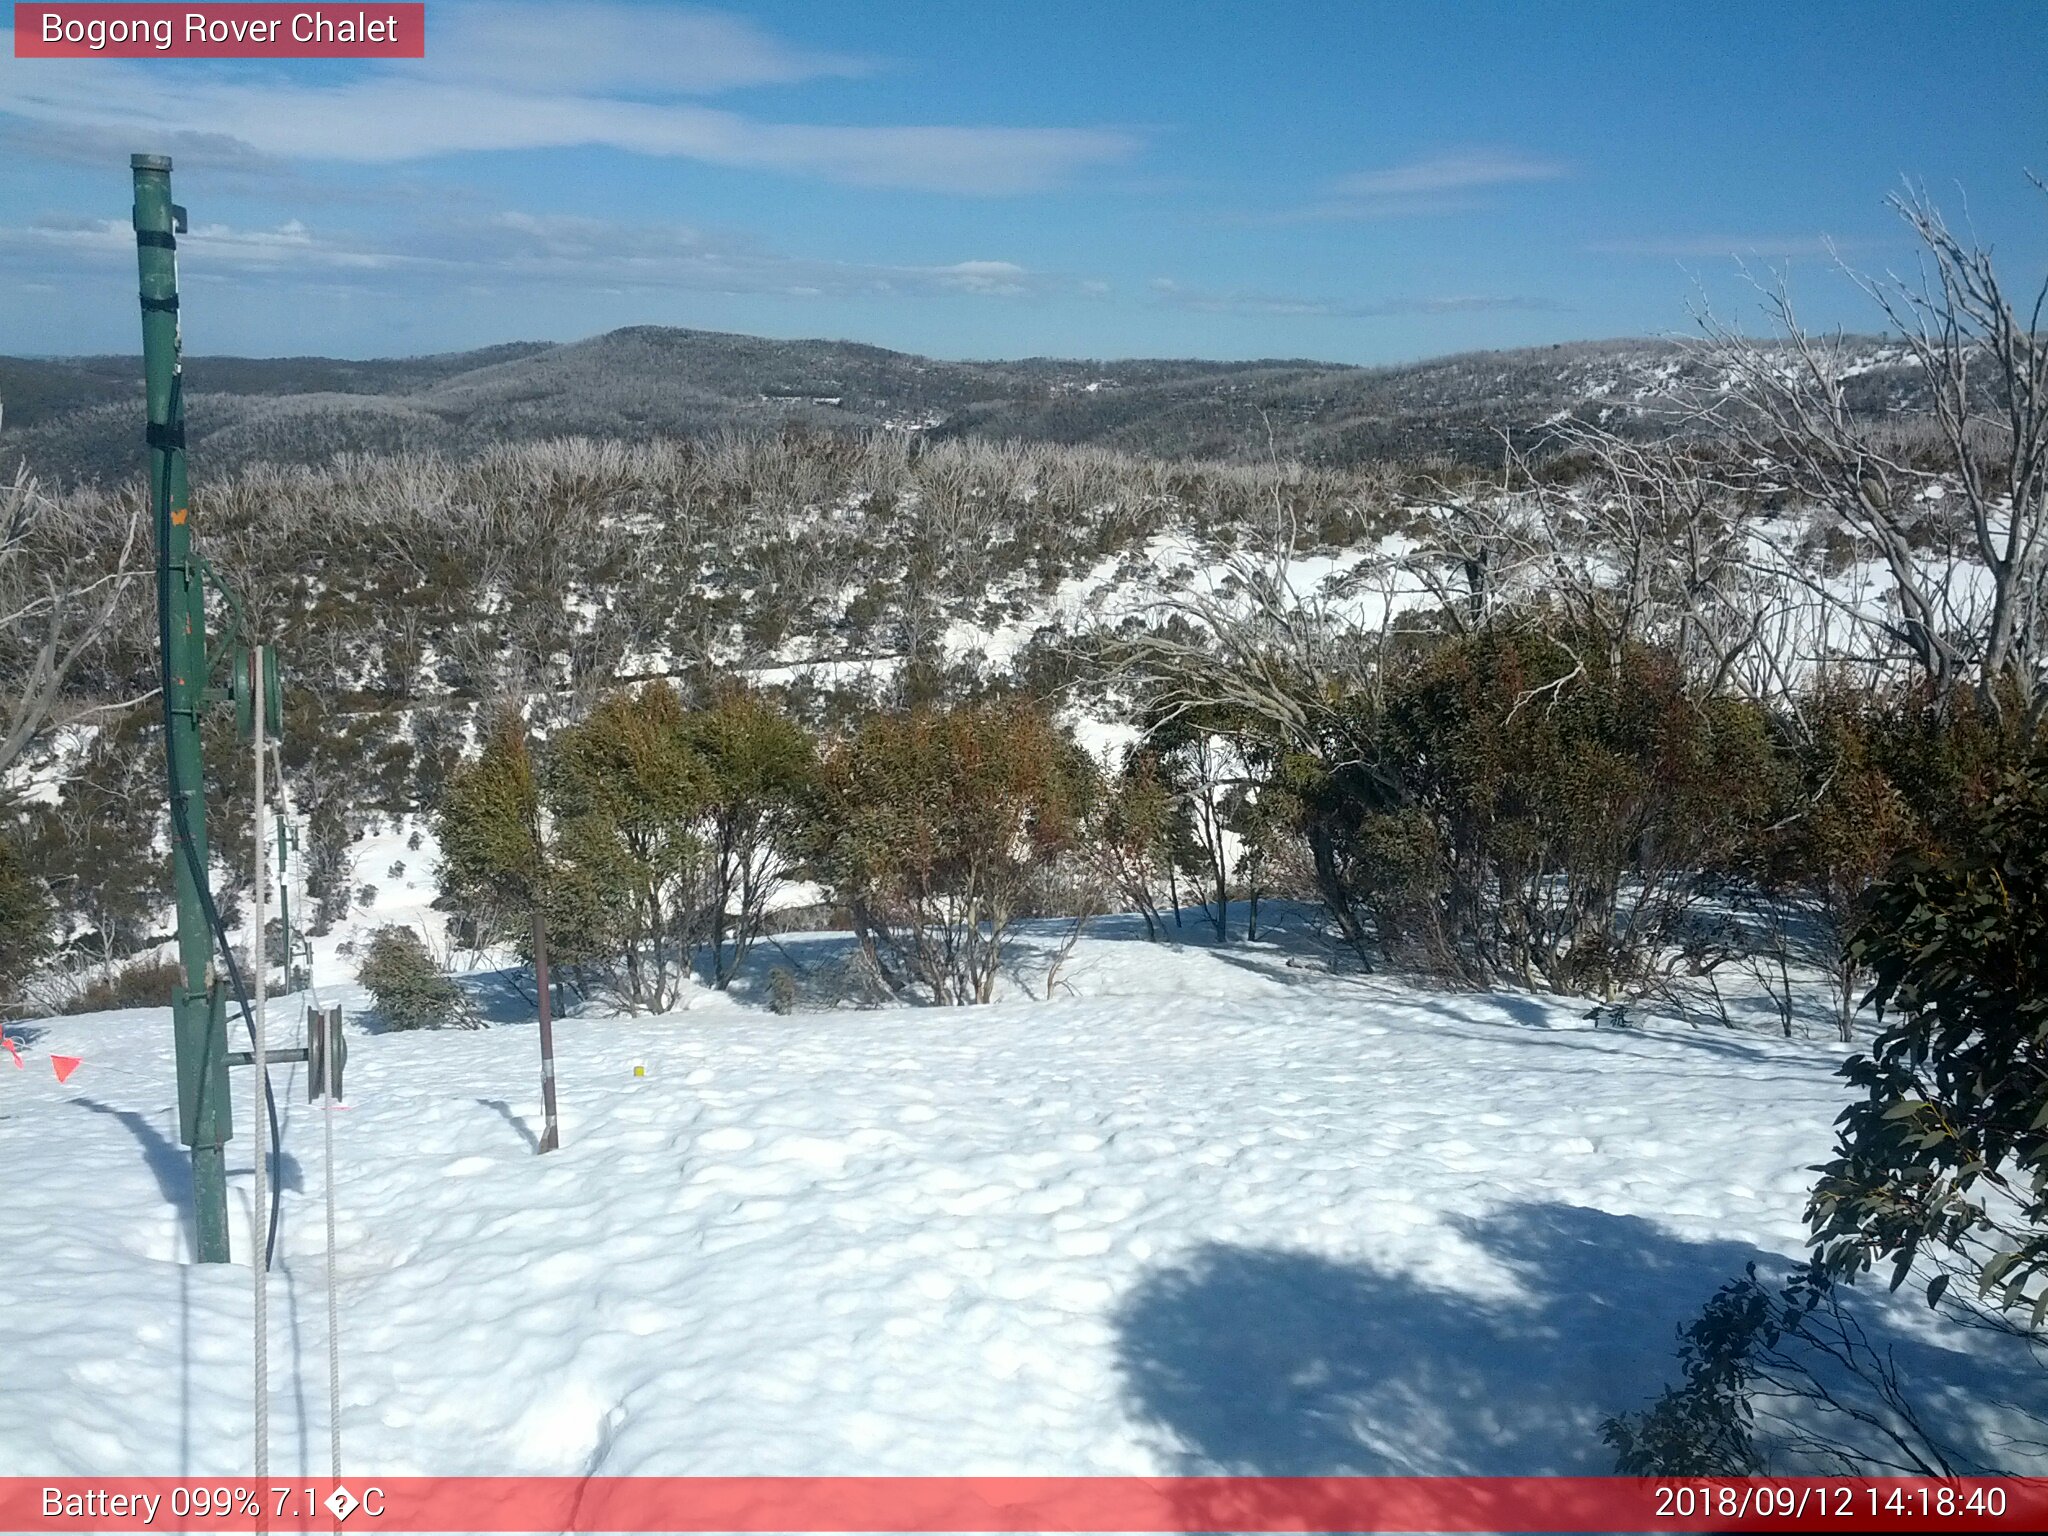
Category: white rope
[333,1306]
[259,960]
[327,1103]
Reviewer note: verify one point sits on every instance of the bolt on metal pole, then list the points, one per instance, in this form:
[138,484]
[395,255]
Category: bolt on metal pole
[198,1008]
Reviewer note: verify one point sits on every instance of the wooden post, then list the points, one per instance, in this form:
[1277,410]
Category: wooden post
[551,1138]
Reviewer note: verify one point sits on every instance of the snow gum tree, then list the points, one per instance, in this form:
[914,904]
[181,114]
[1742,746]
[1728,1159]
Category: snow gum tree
[649,835]
[492,858]
[1876,774]
[763,770]
[1129,834]
[629,793]
[934,828]
[1940,1171]
[63,586]
[1951,496]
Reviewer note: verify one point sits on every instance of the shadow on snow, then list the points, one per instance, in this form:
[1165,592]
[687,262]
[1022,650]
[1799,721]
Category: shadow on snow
[1267,1362]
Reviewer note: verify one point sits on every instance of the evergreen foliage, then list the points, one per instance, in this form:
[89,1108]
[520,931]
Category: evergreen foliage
[24,919]
[935,826]
[762,768]
[408,988]
[629,796]
[1529,811]
[1846,1408]
[1947,1146]
[652,837]
[148,982]
[489,830]
[96,845]
[1129,832]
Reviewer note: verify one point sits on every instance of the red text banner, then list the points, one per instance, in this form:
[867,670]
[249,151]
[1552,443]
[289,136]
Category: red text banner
[220,31]
[1017,1504]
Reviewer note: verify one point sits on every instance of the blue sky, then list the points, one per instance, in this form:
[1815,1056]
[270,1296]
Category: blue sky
[1362,182]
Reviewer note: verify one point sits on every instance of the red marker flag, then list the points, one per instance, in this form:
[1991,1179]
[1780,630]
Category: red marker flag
[64,1066]
[12,1050]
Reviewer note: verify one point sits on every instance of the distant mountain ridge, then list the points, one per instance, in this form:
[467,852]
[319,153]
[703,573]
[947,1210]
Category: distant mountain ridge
[76,418]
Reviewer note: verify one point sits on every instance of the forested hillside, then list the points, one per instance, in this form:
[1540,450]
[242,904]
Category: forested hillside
[72,419]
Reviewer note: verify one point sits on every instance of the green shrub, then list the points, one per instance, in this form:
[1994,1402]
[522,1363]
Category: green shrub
[1833,1391]
[763,770]
[1540,812]
[1874,775]
[24,920]
[1947,1148]
[409,991]
[631,796]
[144,983]
[934,829]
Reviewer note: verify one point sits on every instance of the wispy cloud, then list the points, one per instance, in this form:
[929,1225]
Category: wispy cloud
[670,49]
[1205,301]
[614,77]
[290,246]
[517,248]
[1436,174]
[101,145]
[558,247]
[1449,182]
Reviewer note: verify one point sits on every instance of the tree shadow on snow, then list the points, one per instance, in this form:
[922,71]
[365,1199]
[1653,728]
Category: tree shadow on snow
[1276,968]
[1533,1017]
[501,996]
[514,1120]
[1268,1362]
[1286,929]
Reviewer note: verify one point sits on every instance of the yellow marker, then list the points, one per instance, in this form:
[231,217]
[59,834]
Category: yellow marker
[639,1071]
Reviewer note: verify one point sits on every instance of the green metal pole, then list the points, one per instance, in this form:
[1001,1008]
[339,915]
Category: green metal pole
[198,1008]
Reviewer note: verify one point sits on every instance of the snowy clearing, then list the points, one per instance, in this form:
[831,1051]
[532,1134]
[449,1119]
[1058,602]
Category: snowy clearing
[1213,1212]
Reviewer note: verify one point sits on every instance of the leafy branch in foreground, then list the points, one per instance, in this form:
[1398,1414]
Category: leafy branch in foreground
[1841,1395]
[1948,1147]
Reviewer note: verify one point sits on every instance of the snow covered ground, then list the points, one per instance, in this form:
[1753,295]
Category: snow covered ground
[1212,1211]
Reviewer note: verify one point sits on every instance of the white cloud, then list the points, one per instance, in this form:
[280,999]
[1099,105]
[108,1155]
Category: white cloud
[1464,171]
[594,89]
[558,247]
[518,247]
[289,245]
[671,49]
[998,277]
